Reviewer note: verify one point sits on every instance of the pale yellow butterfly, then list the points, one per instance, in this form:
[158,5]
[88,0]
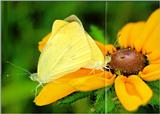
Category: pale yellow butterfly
[68,49]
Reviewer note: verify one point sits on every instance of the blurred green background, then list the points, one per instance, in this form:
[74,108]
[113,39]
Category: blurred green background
[24,24]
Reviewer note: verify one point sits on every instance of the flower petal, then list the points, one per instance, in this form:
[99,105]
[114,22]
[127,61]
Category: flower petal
[132,92]
[81,80]
[154,56]
[151,72]
[136,31]
[129,101]
[102,47]
[56,26]
[151,76]
[149,27]
[156,61]
[124,35]
[92,82]
[153,41]
[110,49]
[52,92]
[129,34]
[143,90]
[42,43]
[106,49]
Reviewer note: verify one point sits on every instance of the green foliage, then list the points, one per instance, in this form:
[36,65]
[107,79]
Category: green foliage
[114,103]
[73,97]
[97,34]
[100,101]
[110,100]
[155,86]
[104,100]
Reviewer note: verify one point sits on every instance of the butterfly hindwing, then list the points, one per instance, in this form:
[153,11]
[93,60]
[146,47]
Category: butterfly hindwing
[97,58]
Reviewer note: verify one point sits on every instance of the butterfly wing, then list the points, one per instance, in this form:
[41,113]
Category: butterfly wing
[66,52]
[97,58]
[57,25]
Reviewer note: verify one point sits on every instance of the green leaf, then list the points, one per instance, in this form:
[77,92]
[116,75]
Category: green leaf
[110,101]
[113,103]
[104,102]
[100,101]
[97,34]
[155,86]
[73,97]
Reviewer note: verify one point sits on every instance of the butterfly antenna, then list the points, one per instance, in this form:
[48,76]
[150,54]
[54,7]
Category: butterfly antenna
[20,68]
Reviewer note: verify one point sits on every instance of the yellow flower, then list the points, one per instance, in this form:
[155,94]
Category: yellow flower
[137,59]
[81,80]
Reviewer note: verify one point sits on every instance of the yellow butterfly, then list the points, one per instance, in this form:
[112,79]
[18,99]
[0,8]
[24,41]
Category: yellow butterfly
[68,49]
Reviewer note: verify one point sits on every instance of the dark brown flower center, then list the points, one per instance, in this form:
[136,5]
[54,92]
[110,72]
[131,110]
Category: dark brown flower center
[127,61]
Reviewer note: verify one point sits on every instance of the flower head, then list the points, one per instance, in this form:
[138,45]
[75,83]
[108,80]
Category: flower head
[137,59]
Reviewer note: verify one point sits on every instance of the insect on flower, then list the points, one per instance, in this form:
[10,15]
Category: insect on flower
[68,49]
[137,59]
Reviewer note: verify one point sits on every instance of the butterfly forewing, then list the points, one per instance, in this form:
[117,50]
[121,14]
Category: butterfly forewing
[66,52]
[97,58]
